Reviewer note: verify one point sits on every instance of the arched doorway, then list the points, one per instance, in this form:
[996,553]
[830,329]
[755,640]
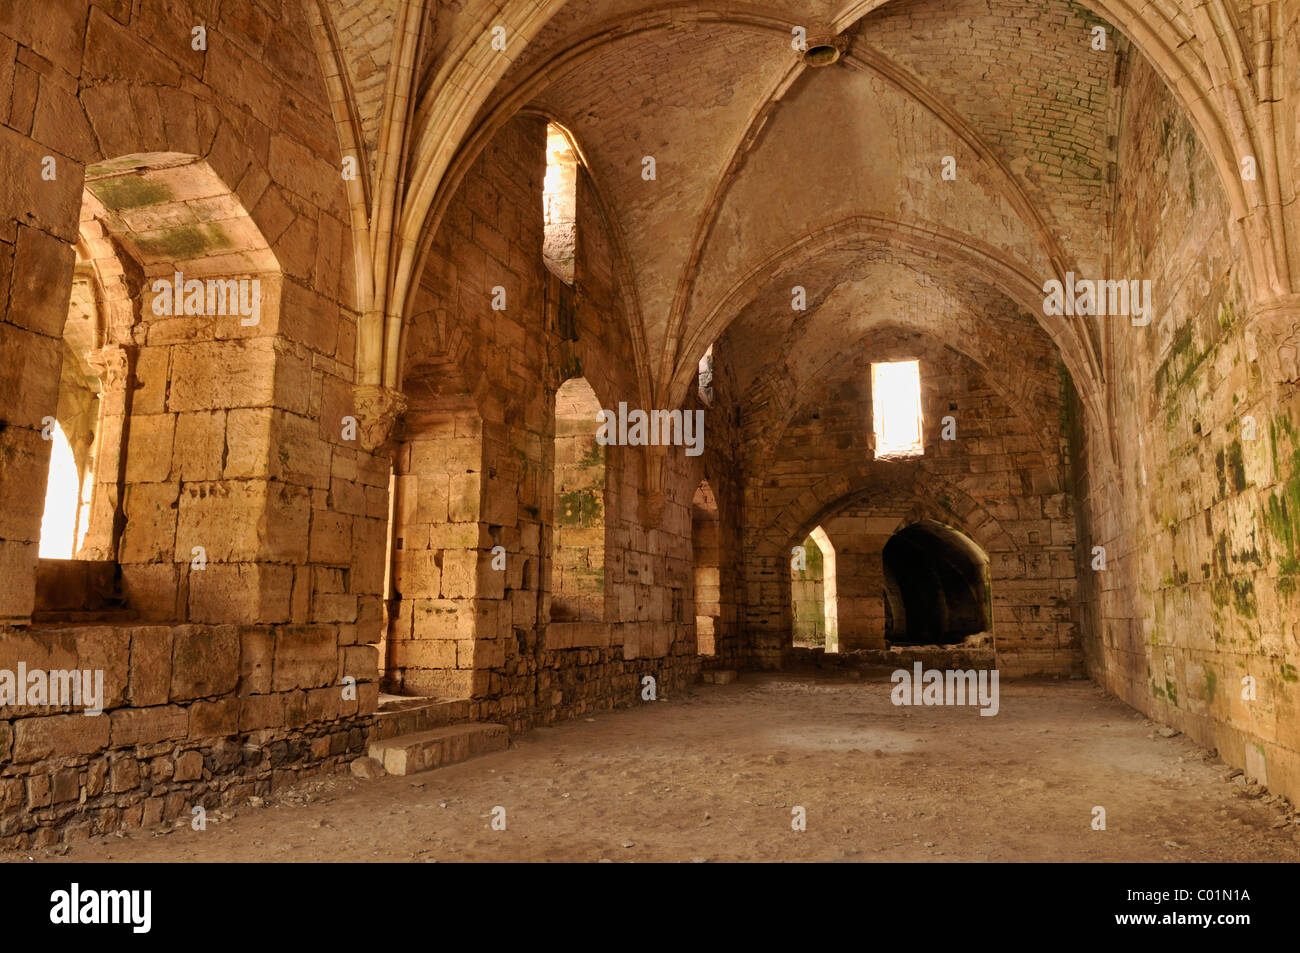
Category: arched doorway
[704,543]
[937,588]
[578,533]
[814,594]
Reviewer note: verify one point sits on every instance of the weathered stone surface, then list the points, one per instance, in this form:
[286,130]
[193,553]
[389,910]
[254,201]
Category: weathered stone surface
[408,754]
[189,766]
[368,768]
[142,726]
[305,657]
[37,738]
[256,651]
[205,662]
[151,666]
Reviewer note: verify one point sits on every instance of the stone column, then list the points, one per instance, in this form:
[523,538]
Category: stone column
[859,582]
[114,364]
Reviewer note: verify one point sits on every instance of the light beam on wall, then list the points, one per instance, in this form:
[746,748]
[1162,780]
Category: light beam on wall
[896,409]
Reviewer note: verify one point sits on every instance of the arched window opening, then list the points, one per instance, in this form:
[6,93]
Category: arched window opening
[813,593]
[71,480]
[61,528]
[706,377]
[169,269]
[896,409]
[578,534]
[936,586]
[560,203]
[708,583]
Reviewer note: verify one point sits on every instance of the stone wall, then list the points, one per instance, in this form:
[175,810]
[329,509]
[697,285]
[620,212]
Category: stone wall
[193,716]
[230,498]
[1194,499]
[1001,482]
[521,661]
[808,596]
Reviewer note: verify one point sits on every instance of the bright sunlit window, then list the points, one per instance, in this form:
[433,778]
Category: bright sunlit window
[896,408]
[62,500]
[560,203]
[706,376]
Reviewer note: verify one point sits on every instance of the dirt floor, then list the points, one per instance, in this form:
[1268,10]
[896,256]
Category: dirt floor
[713,776]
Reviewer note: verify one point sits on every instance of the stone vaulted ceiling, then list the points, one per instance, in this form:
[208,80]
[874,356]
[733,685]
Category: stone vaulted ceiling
[764,165]
[764,161]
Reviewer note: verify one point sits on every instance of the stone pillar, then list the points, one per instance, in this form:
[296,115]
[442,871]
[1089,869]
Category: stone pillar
[860,585]
[859,581]
[114,366]
[767,610]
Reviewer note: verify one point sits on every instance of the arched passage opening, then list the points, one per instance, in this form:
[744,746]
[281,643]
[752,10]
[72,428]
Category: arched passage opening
[937,588]
[705,545]
[813,593]
[167,403]
[578,529]
[61,527]
[75,425]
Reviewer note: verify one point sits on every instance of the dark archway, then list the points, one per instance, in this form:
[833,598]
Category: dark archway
[937,586]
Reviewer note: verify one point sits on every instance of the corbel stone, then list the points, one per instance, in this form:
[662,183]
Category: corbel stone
[1273,339]
[653,498]
[377,410]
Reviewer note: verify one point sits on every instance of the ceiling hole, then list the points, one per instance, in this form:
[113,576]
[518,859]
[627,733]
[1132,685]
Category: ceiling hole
[821,55]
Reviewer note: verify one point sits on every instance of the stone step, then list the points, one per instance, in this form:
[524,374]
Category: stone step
[425,750]
[719,676]
[405,716]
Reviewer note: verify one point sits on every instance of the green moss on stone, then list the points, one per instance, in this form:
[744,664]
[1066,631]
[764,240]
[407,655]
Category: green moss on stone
[185,241]
[594,457]
[1236,466]
[129,191]
[579,508]
[1243,597]
[1181,362]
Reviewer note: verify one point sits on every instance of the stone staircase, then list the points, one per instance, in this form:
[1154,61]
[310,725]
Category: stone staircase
[419,734]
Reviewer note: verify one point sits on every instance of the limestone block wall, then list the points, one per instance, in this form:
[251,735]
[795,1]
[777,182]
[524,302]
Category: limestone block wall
[578,528]
[808,597]
[859,534]
[522,663]
[435,554]
[1195,498]
[1001,482]
[213,433]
